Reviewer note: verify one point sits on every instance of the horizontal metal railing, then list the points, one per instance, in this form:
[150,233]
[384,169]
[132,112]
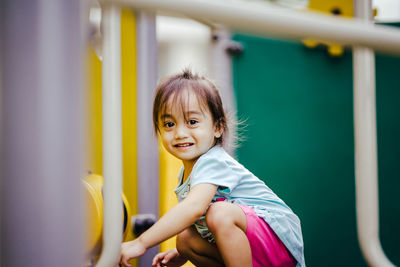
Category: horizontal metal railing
[268,19]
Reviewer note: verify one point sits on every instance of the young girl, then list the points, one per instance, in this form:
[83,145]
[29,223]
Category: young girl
[226,216]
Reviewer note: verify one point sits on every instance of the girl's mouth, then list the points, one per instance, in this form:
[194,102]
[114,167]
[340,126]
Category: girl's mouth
[183,145]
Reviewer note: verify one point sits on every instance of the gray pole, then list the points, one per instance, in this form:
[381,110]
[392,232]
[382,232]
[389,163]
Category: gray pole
[221,63]
[41,133]
[147,146]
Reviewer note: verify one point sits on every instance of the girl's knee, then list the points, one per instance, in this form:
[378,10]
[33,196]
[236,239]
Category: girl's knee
[222,215]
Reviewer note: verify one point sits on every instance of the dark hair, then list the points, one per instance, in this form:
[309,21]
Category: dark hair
[206,92]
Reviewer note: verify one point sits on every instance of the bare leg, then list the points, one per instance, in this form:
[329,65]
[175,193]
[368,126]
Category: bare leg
[228,224]
[196,249]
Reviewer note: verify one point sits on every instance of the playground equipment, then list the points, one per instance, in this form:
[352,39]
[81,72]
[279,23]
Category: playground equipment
[43,139]
[260,19]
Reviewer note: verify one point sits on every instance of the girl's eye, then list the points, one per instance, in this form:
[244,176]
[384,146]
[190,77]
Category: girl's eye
[192,122]
[168,124]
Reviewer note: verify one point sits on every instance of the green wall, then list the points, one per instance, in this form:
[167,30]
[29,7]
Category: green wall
[298,106]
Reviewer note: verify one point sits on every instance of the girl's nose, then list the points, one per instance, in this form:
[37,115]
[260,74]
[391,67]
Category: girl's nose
[181,131]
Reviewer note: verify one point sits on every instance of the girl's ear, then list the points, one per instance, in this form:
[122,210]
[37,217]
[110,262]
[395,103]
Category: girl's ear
[218,130]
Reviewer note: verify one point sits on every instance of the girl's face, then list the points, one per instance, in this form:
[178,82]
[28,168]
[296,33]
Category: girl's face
[190,135]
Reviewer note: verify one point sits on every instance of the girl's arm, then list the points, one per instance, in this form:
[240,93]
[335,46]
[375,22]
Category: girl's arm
[180,216]
[173,222]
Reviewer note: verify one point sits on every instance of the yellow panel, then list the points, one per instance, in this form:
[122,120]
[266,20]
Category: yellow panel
[342,8]
[326,6]
[129,130]
[169,170]
[128,61]
[94,162]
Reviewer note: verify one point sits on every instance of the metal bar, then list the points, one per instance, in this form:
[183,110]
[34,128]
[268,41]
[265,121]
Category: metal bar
[42,133]
[112,136]
[366,166]
[147,145]
[268,19]
[221,66]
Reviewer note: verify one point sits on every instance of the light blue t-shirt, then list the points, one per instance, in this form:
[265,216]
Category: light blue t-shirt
[238,185]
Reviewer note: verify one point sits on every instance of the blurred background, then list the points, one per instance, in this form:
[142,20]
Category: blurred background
[296,98]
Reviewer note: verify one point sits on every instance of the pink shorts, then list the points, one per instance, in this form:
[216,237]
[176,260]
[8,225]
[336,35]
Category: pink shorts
[266,247]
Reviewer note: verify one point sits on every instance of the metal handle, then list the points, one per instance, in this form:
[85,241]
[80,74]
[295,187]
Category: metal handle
[366,166]
[112,136]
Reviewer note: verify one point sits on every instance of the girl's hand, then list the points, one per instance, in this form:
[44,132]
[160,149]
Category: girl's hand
[130,250]
[170,258]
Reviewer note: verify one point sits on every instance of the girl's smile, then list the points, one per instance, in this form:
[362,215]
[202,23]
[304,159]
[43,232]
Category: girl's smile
[183,145]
